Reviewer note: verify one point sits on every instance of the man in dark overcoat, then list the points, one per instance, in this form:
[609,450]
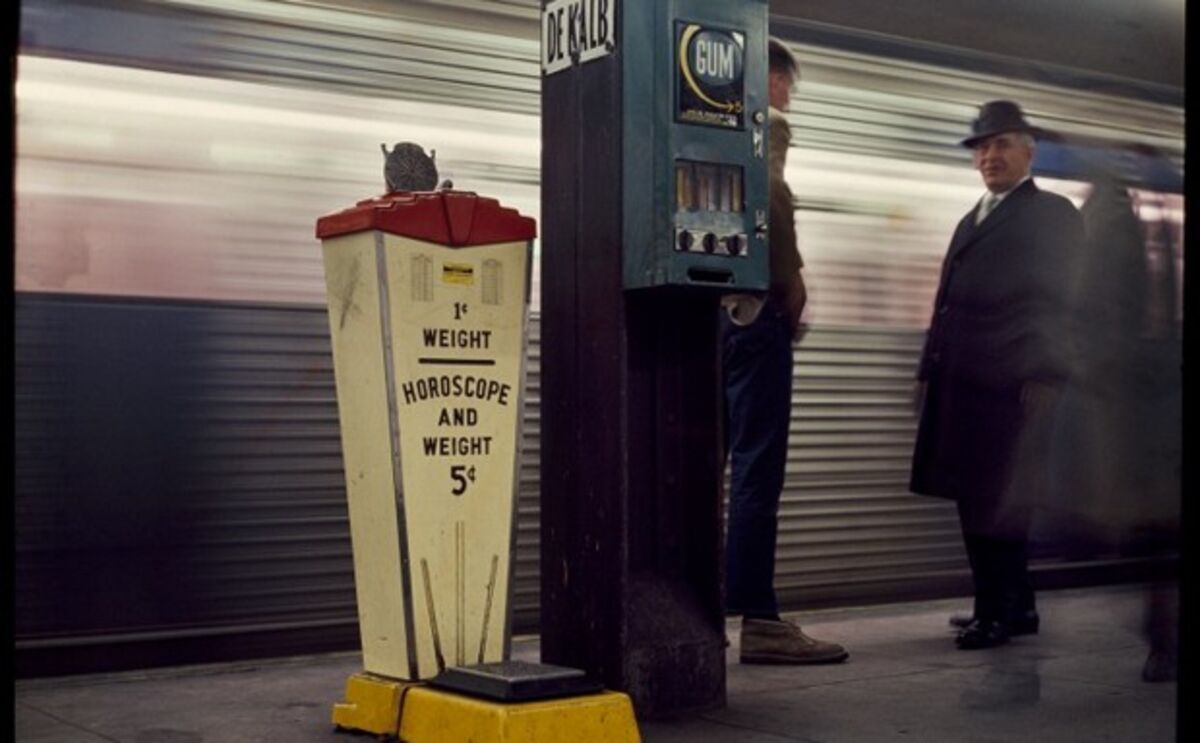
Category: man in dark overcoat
[996,352]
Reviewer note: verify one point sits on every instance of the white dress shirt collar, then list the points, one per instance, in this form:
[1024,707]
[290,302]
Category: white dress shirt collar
[1000,196]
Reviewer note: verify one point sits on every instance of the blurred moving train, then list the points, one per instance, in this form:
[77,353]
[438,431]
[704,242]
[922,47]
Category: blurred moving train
[179,488]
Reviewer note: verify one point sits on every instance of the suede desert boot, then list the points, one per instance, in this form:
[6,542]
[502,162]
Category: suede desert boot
[782,642]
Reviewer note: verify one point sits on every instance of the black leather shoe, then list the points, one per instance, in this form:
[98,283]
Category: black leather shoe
[979,635]
[1026,623]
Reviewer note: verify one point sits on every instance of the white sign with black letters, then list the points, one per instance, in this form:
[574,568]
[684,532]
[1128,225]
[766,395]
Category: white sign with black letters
[577,31]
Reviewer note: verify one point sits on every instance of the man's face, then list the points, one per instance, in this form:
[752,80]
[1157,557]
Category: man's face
[1003,160]
[779,89]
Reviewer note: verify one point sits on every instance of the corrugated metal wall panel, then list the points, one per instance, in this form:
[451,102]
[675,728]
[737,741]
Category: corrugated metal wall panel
[846,516]
[527,557]
[261,490]
[271,536]
[270,539]
[252,514]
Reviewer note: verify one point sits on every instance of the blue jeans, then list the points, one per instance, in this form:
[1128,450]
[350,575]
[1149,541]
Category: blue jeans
[756,365]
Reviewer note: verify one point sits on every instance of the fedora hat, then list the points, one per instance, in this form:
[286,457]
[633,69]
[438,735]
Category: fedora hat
[996,117]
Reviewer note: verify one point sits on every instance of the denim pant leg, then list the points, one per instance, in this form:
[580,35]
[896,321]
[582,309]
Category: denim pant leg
[757,369]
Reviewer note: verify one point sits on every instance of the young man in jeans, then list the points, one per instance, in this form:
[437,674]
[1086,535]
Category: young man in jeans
[757,338]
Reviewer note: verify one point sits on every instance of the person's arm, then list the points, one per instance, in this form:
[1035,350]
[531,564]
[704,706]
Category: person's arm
[1051,356]
[1053,359]
[794,298]
[779,133]
[787,283]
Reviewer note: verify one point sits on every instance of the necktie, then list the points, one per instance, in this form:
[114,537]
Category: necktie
[985,206]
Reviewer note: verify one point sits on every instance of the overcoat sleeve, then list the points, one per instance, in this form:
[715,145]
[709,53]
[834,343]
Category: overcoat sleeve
[1053,351]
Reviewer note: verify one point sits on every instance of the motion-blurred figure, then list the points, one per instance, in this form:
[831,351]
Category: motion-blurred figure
[1097,461]
[996,353]
[1114,449]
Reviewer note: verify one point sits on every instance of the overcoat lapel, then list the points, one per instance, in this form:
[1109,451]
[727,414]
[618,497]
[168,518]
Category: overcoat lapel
[970,233]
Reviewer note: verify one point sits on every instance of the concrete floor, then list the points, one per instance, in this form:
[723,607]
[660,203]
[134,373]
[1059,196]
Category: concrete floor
[1079,680]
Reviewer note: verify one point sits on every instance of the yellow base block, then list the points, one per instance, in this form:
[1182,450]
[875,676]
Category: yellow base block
[373,704]
[435,716]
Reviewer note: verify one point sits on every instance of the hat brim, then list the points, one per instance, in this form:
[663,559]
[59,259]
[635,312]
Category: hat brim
[970,141]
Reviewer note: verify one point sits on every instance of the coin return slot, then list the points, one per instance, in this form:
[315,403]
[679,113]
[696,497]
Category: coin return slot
[709,276]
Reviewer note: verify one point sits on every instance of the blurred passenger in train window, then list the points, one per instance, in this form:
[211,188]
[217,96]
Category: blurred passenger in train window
[1115,448]
[996,356]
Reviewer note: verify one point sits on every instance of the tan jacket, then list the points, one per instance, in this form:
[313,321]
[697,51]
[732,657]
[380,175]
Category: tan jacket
[786,284]
[785,256]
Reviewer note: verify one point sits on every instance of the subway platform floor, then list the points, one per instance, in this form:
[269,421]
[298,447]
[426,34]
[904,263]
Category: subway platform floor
[1078,680]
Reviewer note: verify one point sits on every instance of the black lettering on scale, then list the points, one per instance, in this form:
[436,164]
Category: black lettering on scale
[602,28]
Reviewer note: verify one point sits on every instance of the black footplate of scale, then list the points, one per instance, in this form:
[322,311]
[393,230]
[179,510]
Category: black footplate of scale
[516,681]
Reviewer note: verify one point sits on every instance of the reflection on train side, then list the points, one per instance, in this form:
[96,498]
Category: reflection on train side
[149,183]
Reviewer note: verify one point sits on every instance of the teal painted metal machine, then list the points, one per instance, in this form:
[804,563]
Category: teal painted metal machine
[695,204]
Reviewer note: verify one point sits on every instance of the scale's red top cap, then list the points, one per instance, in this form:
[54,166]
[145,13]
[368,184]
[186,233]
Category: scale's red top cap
[454,218]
